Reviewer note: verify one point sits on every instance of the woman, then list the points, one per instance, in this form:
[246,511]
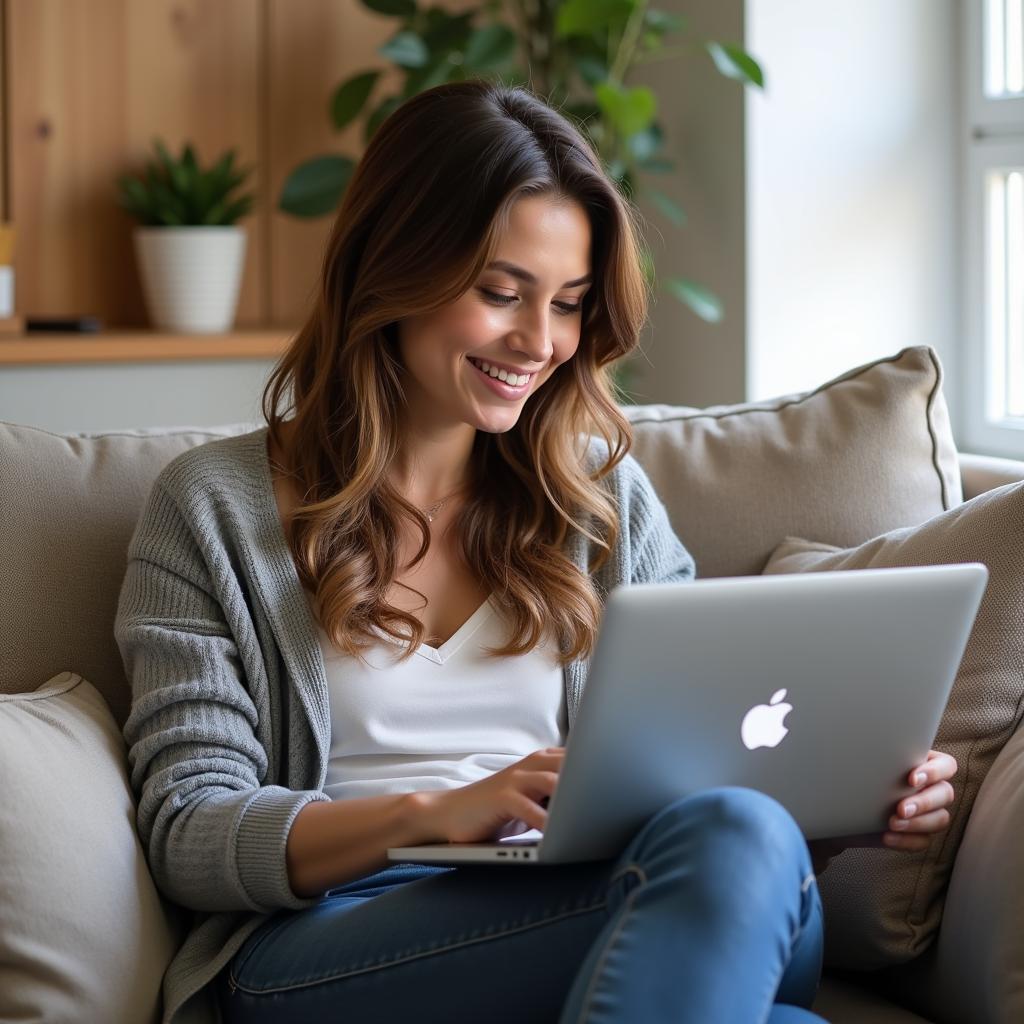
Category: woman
[368,626]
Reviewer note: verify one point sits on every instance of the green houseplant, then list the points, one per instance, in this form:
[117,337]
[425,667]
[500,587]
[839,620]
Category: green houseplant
[189,249]
[579,54]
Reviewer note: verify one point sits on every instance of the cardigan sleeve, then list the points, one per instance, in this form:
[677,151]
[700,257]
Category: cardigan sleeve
[657,555]
[213,834]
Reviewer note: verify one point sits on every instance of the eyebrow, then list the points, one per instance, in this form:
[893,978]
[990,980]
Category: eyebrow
[525,275]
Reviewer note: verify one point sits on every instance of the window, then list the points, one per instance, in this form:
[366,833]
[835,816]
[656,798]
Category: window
[994,209]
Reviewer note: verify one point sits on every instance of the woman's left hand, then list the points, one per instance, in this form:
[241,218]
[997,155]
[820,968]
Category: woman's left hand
[915,819]
[919,816]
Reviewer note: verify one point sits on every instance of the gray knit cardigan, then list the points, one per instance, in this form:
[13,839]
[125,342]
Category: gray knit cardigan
[230,729]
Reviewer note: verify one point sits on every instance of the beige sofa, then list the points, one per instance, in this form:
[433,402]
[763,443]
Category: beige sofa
[68,506]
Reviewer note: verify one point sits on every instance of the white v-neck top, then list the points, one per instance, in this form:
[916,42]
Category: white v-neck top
[445,717]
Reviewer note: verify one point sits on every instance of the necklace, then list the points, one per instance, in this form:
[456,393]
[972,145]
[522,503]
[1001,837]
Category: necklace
[431,512]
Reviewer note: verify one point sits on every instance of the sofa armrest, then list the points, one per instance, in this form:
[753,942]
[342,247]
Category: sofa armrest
[974,974]
[980,473]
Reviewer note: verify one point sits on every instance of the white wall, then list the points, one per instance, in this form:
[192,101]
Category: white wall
[95,397]
[852,188]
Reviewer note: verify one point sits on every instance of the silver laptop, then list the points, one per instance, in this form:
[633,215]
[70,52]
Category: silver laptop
[822,689]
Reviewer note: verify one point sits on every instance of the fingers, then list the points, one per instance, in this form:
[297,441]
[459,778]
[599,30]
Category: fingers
[933,821]
[525,809]
[905,841]
[540,759]
[542,782]
[934,797]
[938,767]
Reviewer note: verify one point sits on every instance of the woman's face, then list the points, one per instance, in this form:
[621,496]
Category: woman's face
[523,316]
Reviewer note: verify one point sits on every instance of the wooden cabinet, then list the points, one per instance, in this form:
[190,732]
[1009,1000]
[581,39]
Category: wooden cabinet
[90,83]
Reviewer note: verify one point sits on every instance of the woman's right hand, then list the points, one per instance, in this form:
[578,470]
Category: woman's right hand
[479,811]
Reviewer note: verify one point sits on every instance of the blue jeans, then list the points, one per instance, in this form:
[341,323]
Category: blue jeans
[711,914]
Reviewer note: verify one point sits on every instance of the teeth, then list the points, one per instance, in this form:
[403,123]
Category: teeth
[516,380]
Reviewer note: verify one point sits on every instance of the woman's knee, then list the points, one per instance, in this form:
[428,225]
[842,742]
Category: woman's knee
[727,813]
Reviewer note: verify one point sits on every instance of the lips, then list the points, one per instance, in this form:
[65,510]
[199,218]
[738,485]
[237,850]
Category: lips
[499,387]
[479,364]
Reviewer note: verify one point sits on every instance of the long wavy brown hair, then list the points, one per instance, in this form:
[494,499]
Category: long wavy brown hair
[419,221]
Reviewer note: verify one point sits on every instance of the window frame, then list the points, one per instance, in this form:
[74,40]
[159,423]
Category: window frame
[993,133]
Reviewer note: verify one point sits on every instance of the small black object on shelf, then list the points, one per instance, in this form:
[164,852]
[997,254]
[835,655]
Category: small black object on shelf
[64,324]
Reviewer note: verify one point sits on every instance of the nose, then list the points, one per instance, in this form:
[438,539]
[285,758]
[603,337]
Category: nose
[532,336]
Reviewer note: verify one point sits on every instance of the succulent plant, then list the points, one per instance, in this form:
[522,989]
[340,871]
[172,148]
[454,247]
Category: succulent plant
[179,193]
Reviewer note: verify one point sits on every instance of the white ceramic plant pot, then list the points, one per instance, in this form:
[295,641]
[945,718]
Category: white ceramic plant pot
[191,275]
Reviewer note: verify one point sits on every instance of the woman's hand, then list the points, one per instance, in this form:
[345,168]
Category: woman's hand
[915,819]
[919,816]
[481,811]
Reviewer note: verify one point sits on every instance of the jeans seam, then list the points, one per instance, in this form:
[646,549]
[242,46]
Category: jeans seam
[591,988]
[418,955]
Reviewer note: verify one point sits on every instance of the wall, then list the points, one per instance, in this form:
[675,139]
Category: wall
[852,188]
[687,360]
[87,86]
[823,212]
[115,396]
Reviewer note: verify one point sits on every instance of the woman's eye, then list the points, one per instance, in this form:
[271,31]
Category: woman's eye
[566,308]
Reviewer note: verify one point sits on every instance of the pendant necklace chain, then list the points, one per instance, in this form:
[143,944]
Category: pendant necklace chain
[431,512]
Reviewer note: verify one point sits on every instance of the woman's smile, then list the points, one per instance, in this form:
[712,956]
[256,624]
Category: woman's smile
[494,383]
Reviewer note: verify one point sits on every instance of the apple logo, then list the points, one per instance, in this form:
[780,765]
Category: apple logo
[762,724]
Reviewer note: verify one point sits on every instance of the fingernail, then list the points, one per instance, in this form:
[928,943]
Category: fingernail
[920,778]
[910,810]
[890,840]
[899,824]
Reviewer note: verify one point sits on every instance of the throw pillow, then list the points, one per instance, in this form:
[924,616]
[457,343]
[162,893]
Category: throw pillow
[866,452]
[85,935]
[883,907]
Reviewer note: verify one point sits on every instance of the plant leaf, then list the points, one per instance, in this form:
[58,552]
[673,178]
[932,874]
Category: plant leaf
[405,49]
[630,110]
[175,172]
[350,97]
[733,62]
[591,69]
[395,8]
[643,145]
[445,32]
[315,186]
[490,47]
[418,79]
[668,206]
[582,17]
[663,22]
[236,210]
[704,303]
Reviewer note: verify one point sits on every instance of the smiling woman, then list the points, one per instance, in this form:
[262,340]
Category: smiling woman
[457,497]
[481,276]
[522,339]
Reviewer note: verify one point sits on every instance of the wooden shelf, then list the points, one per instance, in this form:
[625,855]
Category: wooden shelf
[140,345]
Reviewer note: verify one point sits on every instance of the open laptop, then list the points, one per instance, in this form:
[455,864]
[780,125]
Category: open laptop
[822,689]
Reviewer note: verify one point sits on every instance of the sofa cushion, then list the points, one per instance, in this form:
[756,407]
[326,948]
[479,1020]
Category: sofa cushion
[86,936]
[866,452]
[884,906]
[72,502]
